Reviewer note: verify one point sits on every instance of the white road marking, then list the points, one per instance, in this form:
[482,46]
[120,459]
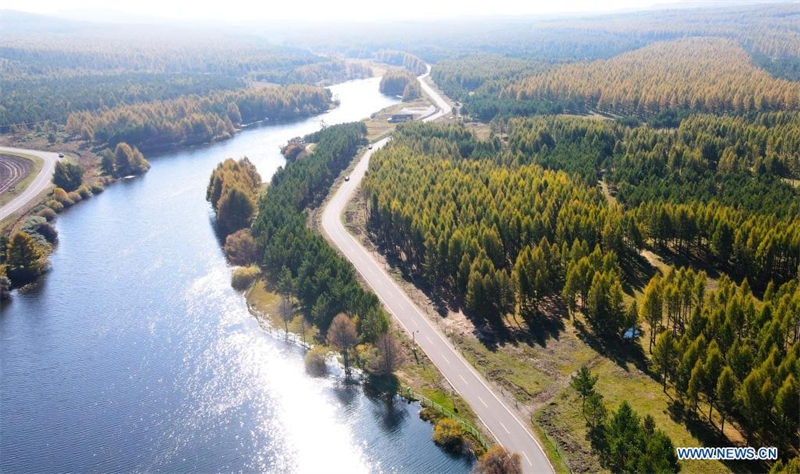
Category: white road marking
[462,378]
[504,426]
[481,399]
[527,458]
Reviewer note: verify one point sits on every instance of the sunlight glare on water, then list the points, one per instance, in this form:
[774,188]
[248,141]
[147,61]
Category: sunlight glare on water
[271,376]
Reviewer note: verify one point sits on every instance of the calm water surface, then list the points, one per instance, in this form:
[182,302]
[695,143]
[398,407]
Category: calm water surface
[135,353]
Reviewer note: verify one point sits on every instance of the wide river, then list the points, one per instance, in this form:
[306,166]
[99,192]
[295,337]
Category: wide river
[135,353]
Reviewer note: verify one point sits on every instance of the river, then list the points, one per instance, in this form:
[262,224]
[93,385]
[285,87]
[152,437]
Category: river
[134,353]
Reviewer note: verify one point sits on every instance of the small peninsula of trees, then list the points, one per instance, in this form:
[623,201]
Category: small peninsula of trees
[233,191]
[125,160]
[24,259]
[400,83]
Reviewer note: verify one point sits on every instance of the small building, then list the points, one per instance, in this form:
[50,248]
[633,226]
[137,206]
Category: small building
[397,118]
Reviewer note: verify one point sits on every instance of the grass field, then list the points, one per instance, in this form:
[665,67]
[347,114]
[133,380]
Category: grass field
[537,376]
[378,125]
[263,298]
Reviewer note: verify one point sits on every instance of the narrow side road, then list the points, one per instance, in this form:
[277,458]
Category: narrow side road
[39,183]
[511,432]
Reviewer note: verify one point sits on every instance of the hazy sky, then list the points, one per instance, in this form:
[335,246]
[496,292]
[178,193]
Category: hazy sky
[247,10]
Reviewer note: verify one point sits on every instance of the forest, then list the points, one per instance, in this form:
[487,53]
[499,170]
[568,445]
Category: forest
[27,101]
[700,74]
[507,226]
[325,282]
[191,120]
[399,82]
[233,192]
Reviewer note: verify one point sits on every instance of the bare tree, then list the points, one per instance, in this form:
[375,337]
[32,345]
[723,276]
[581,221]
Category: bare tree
[390,355]
[498,461]
[342,336]
[286,311]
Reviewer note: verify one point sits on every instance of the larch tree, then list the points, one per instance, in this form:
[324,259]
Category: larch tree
[342,336]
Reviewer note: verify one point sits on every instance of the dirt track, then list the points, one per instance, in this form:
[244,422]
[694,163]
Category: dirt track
[13,169]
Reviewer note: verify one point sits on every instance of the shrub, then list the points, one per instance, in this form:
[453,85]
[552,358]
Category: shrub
[244,277]
[292,150]
[240,248]
[48,213]
[498,461]
[55,205]
[5,285]
[61,196]
[315,362]
[428,414]
[75,197]
[448,434]
[84,192]
[97,187]
[40,230]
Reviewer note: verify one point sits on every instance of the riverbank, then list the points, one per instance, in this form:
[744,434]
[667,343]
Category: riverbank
[300,265]
[417,379]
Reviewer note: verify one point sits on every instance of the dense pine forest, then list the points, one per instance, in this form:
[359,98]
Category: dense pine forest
[595,172]
[325,282]
[700,74]
[195,119]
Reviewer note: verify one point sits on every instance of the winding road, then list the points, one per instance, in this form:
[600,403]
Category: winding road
[509,431]
[41,182]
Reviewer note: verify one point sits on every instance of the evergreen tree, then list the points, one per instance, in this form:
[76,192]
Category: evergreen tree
[665,356]
[67,176]
[24,261]
[651,309]
[583,382]
[726,393]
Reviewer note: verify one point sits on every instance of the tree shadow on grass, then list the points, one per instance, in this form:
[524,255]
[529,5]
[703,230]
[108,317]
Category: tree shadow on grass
[686,259]
[708,434]
[621,352]
[538,328]
[637,271]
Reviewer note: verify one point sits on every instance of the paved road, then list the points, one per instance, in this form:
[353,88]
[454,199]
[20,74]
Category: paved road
[507,428]
[39,183]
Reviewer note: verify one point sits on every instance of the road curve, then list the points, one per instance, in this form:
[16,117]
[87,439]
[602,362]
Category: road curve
[509,431]
[41,182]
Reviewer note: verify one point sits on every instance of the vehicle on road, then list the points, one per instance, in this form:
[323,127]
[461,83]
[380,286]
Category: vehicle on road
[61,155]
[370,147]
[347,178]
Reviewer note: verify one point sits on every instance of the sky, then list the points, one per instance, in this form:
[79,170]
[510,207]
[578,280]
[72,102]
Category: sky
[322,10]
